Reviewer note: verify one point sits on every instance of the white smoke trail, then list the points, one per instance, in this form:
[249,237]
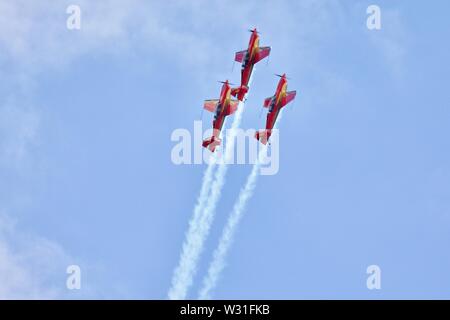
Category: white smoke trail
[201,222]
[181,277]
[218,262]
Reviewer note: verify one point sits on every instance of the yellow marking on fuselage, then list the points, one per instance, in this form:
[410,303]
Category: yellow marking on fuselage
[282,92]
[254,49]
[228,97]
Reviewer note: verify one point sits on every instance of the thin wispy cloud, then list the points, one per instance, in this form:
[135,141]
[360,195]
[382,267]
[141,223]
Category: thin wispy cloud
[31,267]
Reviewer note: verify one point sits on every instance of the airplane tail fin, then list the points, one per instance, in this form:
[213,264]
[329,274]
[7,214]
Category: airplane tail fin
[263,136]
[211,143]
[239,92]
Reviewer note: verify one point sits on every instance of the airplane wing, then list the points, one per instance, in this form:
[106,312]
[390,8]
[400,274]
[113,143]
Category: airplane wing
[232,107]
[239,57]
[267,102]
[211,105]
[290,95]
[262,53]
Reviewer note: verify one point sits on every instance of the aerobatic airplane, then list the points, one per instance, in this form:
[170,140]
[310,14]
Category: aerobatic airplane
[275,104]
[222,107]
[248,58]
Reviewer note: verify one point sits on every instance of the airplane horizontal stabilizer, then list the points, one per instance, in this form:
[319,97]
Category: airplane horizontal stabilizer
[211,143]
[239,92]
[263,136]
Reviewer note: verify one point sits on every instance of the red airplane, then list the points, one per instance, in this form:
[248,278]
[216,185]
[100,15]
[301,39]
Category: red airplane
[221,107]
[275,104]
[248,58]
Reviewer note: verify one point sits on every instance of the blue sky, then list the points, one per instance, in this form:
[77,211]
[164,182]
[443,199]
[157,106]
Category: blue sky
[86,175]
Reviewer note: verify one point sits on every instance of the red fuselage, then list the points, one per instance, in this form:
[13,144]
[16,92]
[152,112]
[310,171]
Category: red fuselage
[276,104]
[219,115]
[249,59]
